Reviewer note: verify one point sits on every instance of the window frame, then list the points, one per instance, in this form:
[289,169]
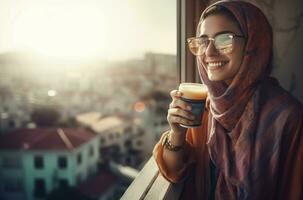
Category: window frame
[188,15]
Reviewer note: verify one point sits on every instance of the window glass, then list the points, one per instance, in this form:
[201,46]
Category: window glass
[12,185]
[102,141]
[79,158]
[63,183]
[11,162]
[39,190]
[62,162]
[38,162]
[91,150]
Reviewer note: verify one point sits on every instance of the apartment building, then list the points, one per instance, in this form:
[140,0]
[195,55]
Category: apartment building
[33,162]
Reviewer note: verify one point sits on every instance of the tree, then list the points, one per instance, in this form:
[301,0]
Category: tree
[68,122]
[45,116]
[66,193]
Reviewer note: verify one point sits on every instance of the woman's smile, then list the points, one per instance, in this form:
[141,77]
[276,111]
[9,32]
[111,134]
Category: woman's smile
[215,65]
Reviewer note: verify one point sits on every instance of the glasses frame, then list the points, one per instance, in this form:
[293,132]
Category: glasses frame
[212,39]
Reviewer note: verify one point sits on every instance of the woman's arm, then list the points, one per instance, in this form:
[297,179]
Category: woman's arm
[174,160]
[174,164]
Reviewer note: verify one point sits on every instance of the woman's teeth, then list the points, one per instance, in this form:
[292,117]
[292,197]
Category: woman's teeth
[212,65]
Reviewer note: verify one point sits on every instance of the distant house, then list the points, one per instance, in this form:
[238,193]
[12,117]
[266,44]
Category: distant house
[102,186]
[154,119]
[33,162]
[120,141]
[89,118]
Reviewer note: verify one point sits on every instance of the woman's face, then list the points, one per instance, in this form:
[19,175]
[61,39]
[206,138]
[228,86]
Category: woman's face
[220,66]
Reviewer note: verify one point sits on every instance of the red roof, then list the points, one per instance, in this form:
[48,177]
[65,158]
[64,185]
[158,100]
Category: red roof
[45,139]
[98,184]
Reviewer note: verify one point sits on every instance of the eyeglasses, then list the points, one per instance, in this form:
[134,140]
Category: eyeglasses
[223,42]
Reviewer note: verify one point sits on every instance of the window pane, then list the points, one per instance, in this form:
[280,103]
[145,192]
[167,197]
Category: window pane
[79,158]
[63,183]
[11,162]
[38,162]
[62,162]
[91,151]
[13,185]
[39,190]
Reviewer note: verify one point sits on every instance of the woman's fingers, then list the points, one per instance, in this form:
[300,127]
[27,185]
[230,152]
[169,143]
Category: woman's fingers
[174,119]
[178,103]
[175,94]
[179,116]
[179,111]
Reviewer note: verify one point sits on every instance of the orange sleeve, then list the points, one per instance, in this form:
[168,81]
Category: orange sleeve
[189,155]
[195,145]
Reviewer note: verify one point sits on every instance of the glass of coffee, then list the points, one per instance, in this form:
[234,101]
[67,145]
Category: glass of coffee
[195,95]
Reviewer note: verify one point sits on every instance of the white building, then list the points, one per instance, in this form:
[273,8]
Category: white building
[120,140]
[35,161]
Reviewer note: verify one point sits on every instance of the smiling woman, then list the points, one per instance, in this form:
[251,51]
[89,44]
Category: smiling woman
[71,31]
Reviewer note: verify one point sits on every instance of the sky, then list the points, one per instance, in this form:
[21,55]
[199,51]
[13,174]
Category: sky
[107,29]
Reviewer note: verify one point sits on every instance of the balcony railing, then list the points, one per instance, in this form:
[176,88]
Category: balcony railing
[149,184]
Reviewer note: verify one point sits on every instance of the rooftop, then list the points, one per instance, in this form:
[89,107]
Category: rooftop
[45,139]
[99,123]
[89,118]
[108,123]
[98,184]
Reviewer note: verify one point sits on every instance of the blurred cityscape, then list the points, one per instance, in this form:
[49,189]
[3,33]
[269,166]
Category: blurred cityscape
[79,130]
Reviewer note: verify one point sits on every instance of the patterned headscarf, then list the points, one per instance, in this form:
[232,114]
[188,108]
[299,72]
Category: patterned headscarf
[228,101]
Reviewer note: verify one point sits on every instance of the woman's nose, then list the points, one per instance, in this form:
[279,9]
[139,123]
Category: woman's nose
[211,49]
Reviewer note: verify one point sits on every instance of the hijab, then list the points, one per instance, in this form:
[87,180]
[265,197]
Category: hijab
[229,101]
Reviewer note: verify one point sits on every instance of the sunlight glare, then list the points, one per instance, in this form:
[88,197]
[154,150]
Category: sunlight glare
[70,31]
[52,93]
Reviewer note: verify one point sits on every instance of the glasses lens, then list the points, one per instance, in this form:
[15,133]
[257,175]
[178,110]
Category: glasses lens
[224,42]
[197,45]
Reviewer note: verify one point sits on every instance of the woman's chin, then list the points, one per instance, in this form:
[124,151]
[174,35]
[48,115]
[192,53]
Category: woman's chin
[214,77]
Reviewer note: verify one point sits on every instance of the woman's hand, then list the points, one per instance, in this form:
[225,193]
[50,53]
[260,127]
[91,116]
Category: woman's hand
[179,113]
